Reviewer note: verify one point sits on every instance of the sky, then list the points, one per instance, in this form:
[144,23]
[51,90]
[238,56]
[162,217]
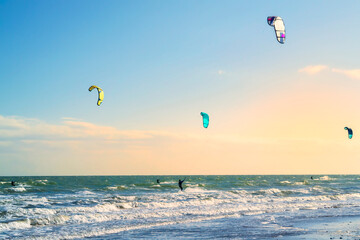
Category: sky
[274,108]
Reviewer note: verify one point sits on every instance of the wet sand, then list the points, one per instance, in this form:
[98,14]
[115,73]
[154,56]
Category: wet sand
[328,228]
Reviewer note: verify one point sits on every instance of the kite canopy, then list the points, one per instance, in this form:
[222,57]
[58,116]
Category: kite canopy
[279,27]
[205,117]
[350,132]
[100,94]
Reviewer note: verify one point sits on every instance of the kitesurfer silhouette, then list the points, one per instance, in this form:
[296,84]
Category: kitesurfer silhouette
[180,183]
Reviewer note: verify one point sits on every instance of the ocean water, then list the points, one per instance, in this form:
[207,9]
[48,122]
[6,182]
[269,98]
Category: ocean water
[124,207]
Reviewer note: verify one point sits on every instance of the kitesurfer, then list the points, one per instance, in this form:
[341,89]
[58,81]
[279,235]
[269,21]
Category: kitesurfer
[180,183]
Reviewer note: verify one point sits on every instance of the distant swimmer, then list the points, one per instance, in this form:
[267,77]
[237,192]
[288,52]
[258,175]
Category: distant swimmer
[158,181]
[12,183]
[180,183]
[312,178]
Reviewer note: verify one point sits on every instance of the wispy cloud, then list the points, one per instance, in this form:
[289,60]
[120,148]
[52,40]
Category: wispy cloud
[353,73]
[315,69]
[70,118]
[221,72]
[25,128]
[29,130]
[311,70]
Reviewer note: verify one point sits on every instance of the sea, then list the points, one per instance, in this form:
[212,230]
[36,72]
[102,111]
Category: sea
[137,207]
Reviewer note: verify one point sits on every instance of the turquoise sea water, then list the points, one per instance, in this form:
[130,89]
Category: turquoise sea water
[114,207]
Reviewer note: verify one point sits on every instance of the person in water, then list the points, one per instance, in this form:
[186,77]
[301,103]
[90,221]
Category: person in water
[312,178]
[158,181]
[12,183]
[180,183]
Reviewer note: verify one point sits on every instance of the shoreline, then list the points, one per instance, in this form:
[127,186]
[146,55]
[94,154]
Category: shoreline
[322,228]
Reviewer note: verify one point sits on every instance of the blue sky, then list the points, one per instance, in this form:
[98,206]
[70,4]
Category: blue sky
[146,52]
[161,63]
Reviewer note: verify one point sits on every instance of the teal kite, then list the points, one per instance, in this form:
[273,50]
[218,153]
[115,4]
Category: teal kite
[350,132]
[205,117]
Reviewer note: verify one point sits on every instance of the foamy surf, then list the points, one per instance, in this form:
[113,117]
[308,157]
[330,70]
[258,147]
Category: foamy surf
[97,208]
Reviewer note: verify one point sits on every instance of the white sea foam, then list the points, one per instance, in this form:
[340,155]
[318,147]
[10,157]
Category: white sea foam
[168,182]
[86,213]
[49,220]
[285,182]
[121,187]
[301,183]
[86,192]
[194,190]
[326,178]
[42,182]
[229,203]
[268,191]
[21,224]
[19,188]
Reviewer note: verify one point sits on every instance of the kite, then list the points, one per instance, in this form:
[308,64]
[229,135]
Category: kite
[100,94]
[279,27]
[350,132]
[205,119]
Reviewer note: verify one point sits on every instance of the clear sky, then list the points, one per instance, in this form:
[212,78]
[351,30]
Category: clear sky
[274,109]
